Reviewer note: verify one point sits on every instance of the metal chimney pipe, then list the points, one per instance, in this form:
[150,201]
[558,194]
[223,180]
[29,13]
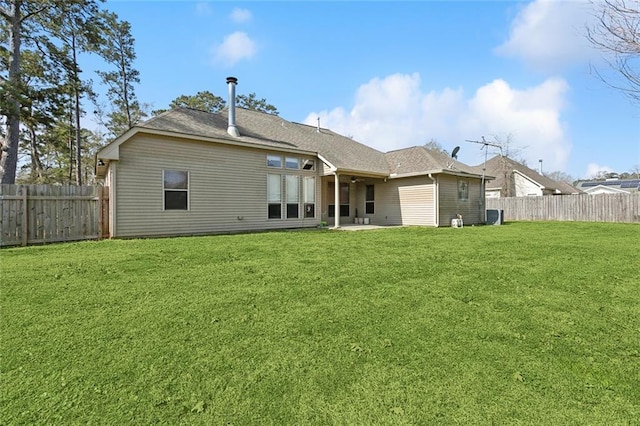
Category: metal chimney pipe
[232,129]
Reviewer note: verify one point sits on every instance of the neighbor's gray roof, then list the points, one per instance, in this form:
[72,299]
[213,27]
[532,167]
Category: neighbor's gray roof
[629,185]
[497,165]
[566,188]
[419,159]
[272,131]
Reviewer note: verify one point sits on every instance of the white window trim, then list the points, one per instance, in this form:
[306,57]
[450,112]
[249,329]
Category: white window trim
[308,161]
[273,156]
[304,196]
[188,190]
[280,179]
[296,159]
[286,197]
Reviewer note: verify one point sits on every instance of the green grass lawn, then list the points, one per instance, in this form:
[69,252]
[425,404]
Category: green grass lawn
[527,323]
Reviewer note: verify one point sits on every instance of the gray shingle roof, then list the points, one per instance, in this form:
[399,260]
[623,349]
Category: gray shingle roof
[497,165]
[629,185]
[273,131]
[419,159]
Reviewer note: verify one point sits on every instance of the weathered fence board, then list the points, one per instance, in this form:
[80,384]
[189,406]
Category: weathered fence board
[34,214]
[584,208]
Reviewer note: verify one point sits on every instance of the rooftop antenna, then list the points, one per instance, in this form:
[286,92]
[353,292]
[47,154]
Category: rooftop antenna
[485,146]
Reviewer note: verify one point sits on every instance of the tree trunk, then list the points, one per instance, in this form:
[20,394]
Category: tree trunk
[78,142]
[9,151]
[71,155]
[36,164]
[123,73]
[76,90]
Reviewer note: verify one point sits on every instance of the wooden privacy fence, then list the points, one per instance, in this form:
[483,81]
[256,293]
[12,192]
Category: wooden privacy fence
[585,208]
[36,214]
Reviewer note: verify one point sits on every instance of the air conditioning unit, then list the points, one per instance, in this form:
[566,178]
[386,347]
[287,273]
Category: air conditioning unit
[495,217]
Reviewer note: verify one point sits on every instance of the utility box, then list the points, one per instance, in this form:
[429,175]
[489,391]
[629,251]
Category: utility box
[495,217]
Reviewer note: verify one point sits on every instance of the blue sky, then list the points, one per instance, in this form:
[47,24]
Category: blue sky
[398,74]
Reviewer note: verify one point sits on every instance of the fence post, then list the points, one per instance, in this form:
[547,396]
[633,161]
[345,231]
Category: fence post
[25,214]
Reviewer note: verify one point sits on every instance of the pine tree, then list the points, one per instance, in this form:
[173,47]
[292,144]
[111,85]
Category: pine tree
[118,50]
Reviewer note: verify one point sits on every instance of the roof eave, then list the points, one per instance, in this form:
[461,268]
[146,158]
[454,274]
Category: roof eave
[112,150]
[439,171]
[362,173]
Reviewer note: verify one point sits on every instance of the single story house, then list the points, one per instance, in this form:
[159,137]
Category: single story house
[188,172]
[610,186]
[513,179]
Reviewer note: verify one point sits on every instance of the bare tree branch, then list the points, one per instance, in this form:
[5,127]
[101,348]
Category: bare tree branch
[617,34]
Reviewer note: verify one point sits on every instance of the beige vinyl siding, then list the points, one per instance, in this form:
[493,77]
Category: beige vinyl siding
[325,170]
[450,206]
[227,188]
[407,201]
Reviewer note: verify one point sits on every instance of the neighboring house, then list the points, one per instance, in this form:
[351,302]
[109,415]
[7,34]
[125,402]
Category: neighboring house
[610,186]
[189,172]
[513,179]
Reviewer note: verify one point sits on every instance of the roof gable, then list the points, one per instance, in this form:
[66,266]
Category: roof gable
[344,153]
[497,166]
[419,159]
[602,189]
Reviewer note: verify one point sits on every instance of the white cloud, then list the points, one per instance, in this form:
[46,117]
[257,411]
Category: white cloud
[395,112]
[549,35]
[595,170]
[203,9]
[234,48]
[240,16]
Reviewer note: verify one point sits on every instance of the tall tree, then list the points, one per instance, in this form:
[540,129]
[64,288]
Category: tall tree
[617,34]
[251,101]
[561,177]
[78,28]
[207,101]
[17,16]
[504,144]
[118,50]
[434,145]
[202,101]
[44,104]
[28,24]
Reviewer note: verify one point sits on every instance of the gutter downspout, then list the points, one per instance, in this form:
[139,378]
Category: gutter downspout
[482,201]
[113,170]
[436,199]
[336,202]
